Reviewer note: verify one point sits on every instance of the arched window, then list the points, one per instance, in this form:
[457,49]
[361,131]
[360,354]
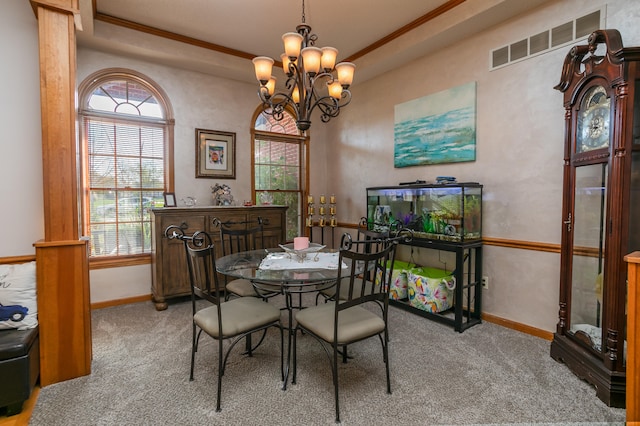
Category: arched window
[126,126]
[279,167]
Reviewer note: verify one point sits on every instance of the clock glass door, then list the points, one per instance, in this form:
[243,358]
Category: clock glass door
[589,224]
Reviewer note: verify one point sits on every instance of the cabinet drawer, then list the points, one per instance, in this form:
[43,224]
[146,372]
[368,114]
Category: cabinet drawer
[230,219]
[188,224]
[270,220]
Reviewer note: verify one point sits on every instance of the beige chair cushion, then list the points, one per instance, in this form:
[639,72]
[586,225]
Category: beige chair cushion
[241,287]
[238,316]
[244,288]
[354,324]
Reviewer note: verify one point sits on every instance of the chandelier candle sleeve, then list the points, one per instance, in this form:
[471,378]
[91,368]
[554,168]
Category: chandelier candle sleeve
[300,243]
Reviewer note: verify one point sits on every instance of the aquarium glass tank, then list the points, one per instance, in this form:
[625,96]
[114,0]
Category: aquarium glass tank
[445,212]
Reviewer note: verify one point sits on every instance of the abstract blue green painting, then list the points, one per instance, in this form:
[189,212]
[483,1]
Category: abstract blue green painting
[437,128]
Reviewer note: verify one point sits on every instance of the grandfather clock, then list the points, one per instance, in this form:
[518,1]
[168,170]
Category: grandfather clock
[600,208]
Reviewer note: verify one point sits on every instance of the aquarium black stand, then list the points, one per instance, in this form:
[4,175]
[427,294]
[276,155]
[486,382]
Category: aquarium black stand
[467,305]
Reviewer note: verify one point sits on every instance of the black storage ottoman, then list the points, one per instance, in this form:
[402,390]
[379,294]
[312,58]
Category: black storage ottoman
[19,367]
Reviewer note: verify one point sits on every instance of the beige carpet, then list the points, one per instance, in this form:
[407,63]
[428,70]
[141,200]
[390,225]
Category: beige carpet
[486,375]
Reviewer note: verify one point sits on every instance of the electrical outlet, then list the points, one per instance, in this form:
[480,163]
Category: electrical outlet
[485,282]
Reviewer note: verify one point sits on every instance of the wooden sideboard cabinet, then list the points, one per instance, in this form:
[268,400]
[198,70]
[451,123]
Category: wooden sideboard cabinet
[169,277]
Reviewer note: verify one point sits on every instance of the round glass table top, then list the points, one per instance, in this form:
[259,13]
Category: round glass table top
[247,265]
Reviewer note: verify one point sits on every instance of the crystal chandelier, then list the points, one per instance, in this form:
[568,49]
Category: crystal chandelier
[311,81]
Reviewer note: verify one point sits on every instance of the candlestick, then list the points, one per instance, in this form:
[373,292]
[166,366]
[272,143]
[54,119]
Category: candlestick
[332,199]
[322,199]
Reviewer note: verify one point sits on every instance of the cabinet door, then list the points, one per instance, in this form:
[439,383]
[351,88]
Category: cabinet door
[175,275]
[272,225]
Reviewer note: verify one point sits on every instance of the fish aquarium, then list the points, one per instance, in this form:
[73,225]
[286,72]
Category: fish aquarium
[449,212]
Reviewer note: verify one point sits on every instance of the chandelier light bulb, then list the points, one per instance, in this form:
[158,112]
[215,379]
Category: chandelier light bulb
[292,44]
[311,57]
[335,89]
[345,73]
[285,63]
[263,66]
[295,95]
[329,55]
[271,85]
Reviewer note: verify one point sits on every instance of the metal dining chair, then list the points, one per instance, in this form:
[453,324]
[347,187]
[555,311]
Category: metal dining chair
[230,320]
[367,241]
[236,237]
[336,324]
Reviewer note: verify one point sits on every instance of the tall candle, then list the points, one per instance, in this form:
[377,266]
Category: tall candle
[300,243]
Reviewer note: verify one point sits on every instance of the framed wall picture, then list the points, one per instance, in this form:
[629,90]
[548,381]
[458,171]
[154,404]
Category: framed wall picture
[170,199]
[436,129]
[215,154]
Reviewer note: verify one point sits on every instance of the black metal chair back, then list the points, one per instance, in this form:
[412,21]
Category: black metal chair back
[240,236]
[357,288]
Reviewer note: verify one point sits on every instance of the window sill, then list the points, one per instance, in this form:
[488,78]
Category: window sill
[118,262]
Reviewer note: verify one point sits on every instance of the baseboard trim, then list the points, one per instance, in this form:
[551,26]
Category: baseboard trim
[117,302]
[523,328]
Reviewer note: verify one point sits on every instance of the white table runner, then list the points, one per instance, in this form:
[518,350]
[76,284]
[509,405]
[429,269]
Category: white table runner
[282,260]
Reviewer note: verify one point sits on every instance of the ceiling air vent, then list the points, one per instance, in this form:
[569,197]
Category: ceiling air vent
[558,36]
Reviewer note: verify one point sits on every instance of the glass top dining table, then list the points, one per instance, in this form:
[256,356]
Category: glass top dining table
[285,269]
[295,276]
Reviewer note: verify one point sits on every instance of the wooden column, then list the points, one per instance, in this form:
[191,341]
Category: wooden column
[633,341]
[57,43]
[62,272]
[61,258]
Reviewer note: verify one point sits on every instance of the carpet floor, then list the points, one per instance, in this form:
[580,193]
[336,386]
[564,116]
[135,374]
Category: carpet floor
[486,375]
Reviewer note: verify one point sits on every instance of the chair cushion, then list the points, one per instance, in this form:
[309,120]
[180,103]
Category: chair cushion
[241,287]
[354,324]
[238,316]
[245,288]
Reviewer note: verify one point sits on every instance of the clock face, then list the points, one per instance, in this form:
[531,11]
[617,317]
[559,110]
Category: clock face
[593,120]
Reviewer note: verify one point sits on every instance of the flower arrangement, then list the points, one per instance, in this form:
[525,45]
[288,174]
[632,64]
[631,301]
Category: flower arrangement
[222,195]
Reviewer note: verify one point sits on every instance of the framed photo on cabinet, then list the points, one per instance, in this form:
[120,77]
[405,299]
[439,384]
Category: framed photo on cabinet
[170,199]
[215,154]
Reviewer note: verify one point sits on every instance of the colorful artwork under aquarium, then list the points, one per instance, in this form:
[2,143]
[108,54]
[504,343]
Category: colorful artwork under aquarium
[436,129]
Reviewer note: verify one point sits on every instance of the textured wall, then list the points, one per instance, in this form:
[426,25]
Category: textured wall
[20,131]
[520,128]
